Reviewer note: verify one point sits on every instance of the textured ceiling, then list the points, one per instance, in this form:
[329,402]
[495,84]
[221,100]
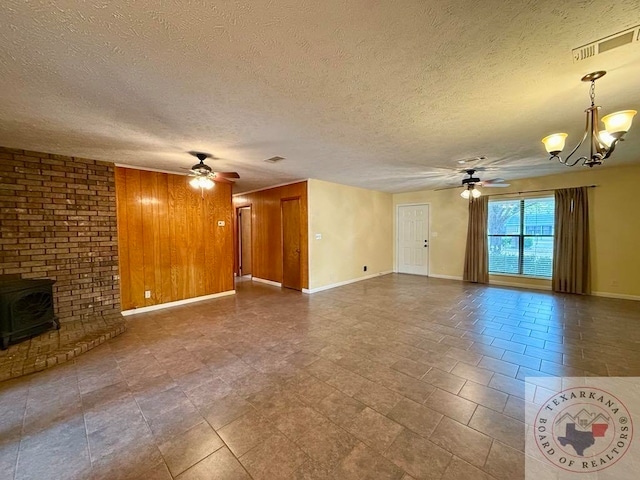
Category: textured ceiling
[370,94]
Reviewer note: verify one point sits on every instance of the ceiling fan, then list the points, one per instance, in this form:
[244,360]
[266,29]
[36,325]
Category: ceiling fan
[204,177]
[472,182]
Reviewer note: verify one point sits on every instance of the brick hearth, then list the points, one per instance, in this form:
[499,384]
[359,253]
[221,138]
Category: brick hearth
[58,221]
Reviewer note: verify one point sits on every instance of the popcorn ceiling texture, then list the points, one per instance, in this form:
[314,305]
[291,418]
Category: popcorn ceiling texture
[370,94]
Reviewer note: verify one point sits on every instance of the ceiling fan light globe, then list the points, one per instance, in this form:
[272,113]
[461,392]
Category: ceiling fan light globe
[207,183]
[194,182]
[465,194]
[554,143]
[475,193]
[618,123]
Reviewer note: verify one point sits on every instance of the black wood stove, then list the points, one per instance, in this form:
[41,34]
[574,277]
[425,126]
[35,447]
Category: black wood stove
[26,308]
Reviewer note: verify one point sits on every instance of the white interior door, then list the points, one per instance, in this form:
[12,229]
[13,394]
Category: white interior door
[413,239]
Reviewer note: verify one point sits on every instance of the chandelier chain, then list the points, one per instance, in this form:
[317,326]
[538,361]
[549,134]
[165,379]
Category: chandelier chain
[592,93]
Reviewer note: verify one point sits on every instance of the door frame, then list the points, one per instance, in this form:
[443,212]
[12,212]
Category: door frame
[397,235]
[241,240]
[282,200]
[236,239]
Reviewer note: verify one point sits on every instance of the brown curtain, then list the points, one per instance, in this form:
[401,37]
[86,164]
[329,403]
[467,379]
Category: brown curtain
[476,259]
[571,270]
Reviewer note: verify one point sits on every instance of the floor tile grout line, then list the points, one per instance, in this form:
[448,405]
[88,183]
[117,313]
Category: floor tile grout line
[24,419]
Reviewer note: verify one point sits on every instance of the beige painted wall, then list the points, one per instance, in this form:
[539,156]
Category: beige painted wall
[614,225]
[356,228]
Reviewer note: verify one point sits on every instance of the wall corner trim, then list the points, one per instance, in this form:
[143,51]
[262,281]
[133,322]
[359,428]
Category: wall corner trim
[346,282]
[177,303]
[268,282]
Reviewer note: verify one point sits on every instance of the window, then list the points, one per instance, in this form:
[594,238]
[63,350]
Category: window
[521,236]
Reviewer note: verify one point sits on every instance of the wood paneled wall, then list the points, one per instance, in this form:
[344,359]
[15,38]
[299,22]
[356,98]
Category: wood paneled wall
[266,230]
[169,239]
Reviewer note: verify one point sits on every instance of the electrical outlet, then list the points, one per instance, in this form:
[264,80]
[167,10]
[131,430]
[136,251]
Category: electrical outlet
[147,294]
[365,268]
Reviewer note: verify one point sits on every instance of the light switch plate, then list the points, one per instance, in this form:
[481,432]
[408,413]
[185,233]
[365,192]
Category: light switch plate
[318,236]
[221,223]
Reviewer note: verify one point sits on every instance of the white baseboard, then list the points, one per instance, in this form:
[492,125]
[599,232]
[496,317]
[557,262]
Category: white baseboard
[446,277]
[177,303]
[622,296]
[346,282]
[501,283]
[268,282]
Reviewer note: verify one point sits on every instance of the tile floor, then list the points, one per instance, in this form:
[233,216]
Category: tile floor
[398,377]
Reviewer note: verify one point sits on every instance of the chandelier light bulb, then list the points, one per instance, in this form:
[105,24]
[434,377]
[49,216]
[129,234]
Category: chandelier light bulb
[605,138]
[618,122]
[554,143]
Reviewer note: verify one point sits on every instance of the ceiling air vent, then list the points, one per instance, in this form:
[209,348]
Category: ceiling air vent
[631,35]
[274,159]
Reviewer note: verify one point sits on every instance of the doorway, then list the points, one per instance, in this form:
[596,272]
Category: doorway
[413,239]
[291,265]
[244,241]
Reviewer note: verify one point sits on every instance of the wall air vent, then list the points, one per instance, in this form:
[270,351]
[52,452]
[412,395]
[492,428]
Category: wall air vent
[274,159]
[625,37]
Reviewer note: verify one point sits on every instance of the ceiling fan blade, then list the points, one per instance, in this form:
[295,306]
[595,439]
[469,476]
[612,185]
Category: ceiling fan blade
[202,156]
[494,182]
[222,180]
[446,188]
[227,174]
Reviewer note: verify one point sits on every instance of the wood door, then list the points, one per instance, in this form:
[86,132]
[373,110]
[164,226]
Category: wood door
[245,240]
[291,271]
[413,239]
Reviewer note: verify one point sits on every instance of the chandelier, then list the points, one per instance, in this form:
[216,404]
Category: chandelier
[603,142]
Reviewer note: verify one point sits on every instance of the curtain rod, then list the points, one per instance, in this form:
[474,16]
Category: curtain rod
[535,191]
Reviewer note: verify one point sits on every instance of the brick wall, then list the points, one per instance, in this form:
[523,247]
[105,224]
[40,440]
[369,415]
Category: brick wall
[58,221]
